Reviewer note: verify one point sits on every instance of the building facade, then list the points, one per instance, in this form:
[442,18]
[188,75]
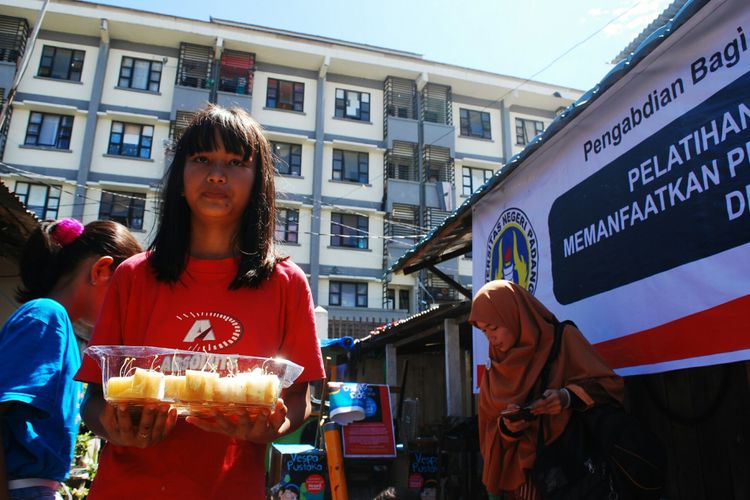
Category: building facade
[374,147]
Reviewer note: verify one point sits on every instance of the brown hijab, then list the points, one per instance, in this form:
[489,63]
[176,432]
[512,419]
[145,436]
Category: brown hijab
[512,376]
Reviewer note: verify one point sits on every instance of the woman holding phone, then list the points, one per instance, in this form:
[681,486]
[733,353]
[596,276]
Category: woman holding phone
[520,331]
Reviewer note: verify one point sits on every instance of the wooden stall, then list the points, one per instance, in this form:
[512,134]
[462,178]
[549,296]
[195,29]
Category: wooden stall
[426,359]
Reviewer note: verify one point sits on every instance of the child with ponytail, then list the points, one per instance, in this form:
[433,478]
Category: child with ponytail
[65,270]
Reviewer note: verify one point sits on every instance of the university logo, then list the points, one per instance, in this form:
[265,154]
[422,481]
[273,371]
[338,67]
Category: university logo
[210,331]
[512,250]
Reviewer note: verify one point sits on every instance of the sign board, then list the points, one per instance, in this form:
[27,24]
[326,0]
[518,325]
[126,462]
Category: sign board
[298,471]
[424,473]
[633,220]
[372,436]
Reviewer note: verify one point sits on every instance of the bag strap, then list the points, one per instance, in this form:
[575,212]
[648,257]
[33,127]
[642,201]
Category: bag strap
[544,374]
[554,352]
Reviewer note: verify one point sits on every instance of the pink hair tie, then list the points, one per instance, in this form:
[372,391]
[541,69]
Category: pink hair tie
[66,231]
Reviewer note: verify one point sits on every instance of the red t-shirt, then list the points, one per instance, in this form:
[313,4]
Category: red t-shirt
[276,319]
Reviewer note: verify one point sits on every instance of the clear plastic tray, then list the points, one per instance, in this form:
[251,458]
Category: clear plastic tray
[194,382]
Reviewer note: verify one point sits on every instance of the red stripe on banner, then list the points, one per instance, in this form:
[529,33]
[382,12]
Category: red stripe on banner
[723,328]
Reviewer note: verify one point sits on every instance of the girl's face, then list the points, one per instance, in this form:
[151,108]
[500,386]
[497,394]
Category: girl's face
[289,495]
[498,336]
[218,185]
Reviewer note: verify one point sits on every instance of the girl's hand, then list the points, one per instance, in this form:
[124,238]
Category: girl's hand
[518,425]
[125,428]
[550,404]
[262,428]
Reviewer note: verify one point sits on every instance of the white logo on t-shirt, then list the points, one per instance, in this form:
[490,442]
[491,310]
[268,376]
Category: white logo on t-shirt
[210,330]
[201,330]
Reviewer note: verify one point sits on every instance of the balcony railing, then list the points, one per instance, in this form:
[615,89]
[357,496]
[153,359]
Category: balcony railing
[401,162]
[14,31]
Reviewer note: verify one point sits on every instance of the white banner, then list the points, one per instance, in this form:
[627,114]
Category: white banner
[634,219]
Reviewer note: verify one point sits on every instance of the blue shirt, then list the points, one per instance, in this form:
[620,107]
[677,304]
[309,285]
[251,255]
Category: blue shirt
[38,358]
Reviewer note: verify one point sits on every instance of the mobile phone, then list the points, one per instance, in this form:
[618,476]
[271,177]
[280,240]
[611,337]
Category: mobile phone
[516,414]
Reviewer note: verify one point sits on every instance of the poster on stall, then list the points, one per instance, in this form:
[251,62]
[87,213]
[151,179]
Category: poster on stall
[373,436]
[633,220]
[298,471]
[424,473]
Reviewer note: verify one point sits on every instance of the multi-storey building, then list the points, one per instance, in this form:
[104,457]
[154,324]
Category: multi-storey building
[374,146]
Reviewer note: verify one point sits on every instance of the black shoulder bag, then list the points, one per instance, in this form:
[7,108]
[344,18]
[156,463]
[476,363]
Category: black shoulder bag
[603,453]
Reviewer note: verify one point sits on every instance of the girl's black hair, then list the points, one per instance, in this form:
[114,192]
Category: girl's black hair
[44,261]
[240,134]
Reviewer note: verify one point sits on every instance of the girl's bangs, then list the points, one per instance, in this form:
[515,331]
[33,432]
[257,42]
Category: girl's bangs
[213,131]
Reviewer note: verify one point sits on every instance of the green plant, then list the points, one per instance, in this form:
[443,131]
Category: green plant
[84,466]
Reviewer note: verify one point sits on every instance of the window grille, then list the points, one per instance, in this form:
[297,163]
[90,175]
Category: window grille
[439,289]
[437,104]
[400,98]
[179,124]
[438,164]
[434,217]
[14,32]
[194,67]
[402,221]
[401,161]
[236,72]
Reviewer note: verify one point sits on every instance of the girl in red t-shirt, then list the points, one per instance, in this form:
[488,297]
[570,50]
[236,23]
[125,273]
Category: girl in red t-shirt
[212,260]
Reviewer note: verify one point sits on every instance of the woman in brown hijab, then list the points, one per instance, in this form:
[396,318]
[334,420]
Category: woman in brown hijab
[520,331]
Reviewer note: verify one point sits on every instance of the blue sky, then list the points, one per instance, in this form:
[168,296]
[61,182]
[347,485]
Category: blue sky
[511,37]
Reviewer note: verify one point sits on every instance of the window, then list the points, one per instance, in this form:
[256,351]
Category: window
[43,200]
[473,178]
[287,225]
[236,72]
[140,74]
[354,105]
[346,294]
[527,130]
[403,299]
[125,208]
[390,299]
[52,131]
[349,230]
[60,63]
[130,139]
[475,123]
[351,166]
[287,158]
[283,94]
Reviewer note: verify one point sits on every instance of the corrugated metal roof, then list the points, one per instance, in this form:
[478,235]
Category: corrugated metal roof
[453,237]
[657,23]
[406,329]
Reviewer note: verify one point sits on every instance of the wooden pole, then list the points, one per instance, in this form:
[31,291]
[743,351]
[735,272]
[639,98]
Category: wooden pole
[335,459]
